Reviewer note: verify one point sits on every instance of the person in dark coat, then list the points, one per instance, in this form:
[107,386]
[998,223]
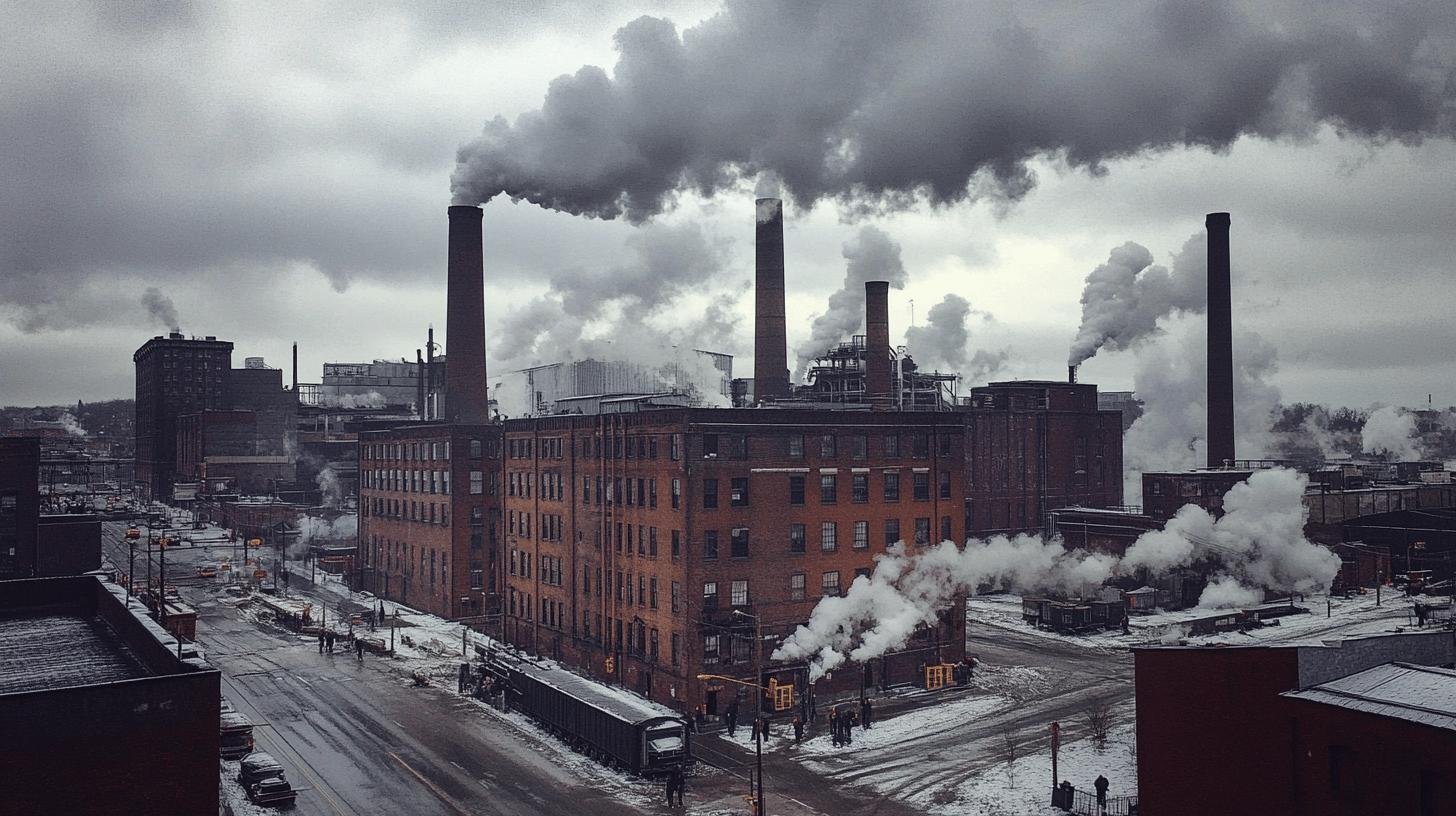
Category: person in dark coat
[757,724]
[464,677]
[798,729]
[679,785]
[329,638]
[669,787]
[321,641]
[834,731]
[847,722]
[865,711]
[359,649]
[1101,786]
[732,717]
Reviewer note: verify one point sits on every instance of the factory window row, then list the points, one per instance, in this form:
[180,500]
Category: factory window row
[829,445]
[408,481]
[738,491]
[405,510]
[522,483]
[428,451]
[737,594]
[622,537]
[400,557]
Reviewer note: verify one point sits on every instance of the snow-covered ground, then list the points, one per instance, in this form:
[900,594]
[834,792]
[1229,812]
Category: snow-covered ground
[1023,786]
[919,721]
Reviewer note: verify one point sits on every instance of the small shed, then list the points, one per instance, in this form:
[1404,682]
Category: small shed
[1142,600]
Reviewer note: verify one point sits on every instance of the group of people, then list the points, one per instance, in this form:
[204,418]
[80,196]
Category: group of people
[326,638]
[842,721]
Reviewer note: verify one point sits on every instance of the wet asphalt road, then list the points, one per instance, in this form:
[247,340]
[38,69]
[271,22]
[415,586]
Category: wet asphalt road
[357,736]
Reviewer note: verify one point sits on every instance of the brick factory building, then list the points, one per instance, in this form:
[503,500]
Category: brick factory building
[114,719]
[1217,733]
[174,376]
[34,544]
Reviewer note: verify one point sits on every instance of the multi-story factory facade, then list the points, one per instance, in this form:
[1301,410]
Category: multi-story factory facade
[175,375]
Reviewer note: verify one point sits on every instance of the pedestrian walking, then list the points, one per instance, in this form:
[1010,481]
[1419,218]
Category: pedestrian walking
[464,677]
[798,729]
[1101,786]
[329,637]
[1124,623]
[836,736]
[359,649]
[864,712]
[848,721]
[680,784]
[669,787]
[732,718]
[321,641]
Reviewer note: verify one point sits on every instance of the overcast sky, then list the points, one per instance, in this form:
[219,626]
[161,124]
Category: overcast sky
[280,172]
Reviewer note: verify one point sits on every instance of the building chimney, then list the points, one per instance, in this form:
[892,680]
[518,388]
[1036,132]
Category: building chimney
[295,370]
[770,335]
[430,413]
[1220,344]
[420,384]
[1072,374]
[877,345]
[465,320]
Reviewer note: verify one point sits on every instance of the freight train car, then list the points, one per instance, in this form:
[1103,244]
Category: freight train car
[610,725]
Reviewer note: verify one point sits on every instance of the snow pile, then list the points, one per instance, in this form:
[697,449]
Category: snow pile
[1391,432]
[1257,544]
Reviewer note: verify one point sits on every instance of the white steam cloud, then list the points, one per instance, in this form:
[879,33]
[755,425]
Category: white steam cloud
[1257,544]
[1391,432]
[1125,297]
[870,255]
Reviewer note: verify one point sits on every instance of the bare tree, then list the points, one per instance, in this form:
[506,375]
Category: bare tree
[1009,751]
[1098,718]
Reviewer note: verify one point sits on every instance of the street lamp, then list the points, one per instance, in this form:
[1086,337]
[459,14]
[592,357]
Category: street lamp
[758,806]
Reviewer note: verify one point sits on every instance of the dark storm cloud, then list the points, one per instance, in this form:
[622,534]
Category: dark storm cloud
[879,105]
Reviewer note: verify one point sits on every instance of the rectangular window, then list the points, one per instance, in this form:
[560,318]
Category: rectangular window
[860,488]
[676,595]
[861,535]
[826,446]
[738,446]
[945,528]
[829,584]
[676,647]
[652,541]
[796,586]
[738,492]
[475,449]
[477,482]
[796,490]
[892,445]
[945,484]
[943,444]
[710,494]
[740,593]
[675,446]
[738,543]
[828,536]
[892,486]
[710,649]
[920,445]
[922,486]
[922,531]
[796,446]
[676,493]
[859,446]
[892,531]
[828,488]
[796,538]
[710,544]
[677,543]
[710,595]
[710,445]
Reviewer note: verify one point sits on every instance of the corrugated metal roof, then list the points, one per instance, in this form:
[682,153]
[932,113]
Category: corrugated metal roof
[52,649]
[1419,694]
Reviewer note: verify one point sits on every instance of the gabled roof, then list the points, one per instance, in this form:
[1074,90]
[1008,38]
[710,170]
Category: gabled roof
[1419,694]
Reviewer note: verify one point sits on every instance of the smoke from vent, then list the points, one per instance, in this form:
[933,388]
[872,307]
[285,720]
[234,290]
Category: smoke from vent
[871,255]
[1258,544]
[160,307]
[942,342]
[1125,297]
[877,107]
[1170,378]
[331,490]
[1391,432]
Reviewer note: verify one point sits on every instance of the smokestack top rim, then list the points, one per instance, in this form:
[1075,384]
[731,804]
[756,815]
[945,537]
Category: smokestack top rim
[465,211]
[770,200]
[1216,219]
[877,284]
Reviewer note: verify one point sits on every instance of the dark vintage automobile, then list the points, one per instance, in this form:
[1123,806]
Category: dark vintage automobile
[611,725]
[258,766]
[235,735]
[272,791]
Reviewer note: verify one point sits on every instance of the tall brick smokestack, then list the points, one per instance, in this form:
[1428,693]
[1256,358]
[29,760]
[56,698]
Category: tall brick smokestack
[465,399]
[1220,344]
[770,334]
[295,371]
[877,345]
[420,384]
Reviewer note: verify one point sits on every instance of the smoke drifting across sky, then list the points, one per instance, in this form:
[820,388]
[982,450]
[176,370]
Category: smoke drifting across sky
[870,255]
[1126,296]
[877,106]
[1257,544]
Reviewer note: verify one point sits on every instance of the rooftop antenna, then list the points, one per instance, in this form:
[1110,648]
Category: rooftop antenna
[912,311]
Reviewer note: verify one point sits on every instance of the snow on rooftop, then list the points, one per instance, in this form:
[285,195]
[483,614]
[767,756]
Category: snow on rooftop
[52,649]
[1419,694]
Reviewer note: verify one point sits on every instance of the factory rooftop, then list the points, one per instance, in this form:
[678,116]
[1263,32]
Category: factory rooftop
[57,648]
[1420,694]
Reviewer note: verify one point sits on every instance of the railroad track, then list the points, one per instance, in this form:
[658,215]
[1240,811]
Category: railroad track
[710,754]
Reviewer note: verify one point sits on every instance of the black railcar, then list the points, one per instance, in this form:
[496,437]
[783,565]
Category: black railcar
[607,724]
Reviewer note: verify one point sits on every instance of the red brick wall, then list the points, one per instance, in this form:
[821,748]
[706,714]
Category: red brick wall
[1212,731]
[1385,761]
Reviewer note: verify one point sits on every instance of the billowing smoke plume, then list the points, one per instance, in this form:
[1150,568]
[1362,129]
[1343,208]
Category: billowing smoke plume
[330,488]
[881,611]
[372,399]
[1125,297]
[1391,432]
[876,105]
[1258,544]
[871,255]
[342,530]
[71,424]
[1311,435]
[941,343]
[1171,379]
[160,307]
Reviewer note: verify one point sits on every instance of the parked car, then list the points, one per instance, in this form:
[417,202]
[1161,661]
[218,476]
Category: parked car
[235,735]
[272,791]
[257,766]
